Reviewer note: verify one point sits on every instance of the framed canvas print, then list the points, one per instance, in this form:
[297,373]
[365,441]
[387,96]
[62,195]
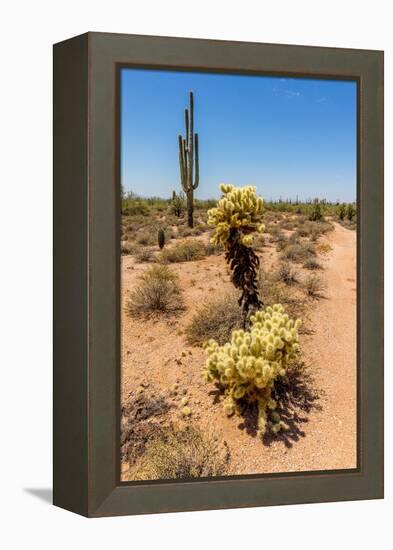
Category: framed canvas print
[218,274]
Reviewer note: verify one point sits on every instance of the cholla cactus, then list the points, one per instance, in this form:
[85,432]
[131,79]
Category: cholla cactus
[241,210]
[248,365]
[237,216]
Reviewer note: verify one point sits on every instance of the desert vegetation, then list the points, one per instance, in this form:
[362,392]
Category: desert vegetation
[221,324]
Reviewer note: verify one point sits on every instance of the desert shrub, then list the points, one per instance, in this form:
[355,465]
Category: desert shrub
[140,417]
[275,233]
[314,229]
[146,238]
[133,205]
[259,242]
[126,248]
[272,292]
[248,366]
[324,248]
[351,212]
[341,211]
[312,264]
[281,242]
[298,252]
[177,204]
[287,224]
[144,255]
[157,292]
[213,249]
[304,230]
[184,252]
[215,320]
[286,274]
[315,212]
[183,453]
[313,286]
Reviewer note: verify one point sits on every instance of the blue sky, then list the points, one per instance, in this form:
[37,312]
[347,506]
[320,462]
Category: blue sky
[287,136]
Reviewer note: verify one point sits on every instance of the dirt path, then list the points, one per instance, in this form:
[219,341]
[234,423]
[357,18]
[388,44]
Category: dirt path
[156,353]
[332,348]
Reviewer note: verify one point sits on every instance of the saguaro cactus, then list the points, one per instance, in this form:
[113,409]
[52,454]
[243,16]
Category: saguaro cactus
[161,238]
[189,161]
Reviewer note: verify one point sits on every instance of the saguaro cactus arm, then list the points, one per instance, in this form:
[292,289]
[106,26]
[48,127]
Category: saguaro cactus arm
[196,179]
[189,159]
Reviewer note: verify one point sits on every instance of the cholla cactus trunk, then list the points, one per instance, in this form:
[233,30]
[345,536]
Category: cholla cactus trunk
[189,161]
[236,218]
[244,264]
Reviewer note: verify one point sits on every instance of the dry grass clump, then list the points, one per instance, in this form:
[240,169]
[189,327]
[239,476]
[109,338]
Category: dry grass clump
[286,274]
[126,248]
[146,238]
[144,255]
[157,293]
[298,252]
[314,286]
[312,264]
[287,224]
[314,229]
[259,242]
[186,251]
[183,453]
[140,421]
[213,249]
[215,320]
[272,291]
[324,248]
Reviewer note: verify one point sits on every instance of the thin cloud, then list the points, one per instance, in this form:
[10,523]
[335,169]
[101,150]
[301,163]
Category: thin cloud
[290,94]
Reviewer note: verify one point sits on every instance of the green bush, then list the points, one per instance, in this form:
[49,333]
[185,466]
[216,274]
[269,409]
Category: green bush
[341,211]
[157,293]
[315,212]
[351,212]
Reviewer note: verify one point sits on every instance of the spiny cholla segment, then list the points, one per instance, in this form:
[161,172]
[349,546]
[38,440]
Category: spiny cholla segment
[239,209]
[248,365]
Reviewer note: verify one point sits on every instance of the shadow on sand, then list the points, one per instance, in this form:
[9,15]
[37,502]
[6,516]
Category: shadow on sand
[296,396]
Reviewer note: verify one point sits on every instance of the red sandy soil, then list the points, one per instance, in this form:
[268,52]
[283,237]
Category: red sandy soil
[155,353]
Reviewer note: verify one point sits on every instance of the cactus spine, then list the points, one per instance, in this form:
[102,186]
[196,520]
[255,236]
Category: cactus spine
[189,161]
[161,238]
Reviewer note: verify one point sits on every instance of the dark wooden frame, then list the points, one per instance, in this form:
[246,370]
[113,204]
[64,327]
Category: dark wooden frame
[86,274]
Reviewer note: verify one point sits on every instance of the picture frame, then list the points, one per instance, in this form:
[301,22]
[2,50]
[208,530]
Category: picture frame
[86,387]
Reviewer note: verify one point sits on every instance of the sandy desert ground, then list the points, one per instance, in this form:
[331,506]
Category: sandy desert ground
[155,356]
